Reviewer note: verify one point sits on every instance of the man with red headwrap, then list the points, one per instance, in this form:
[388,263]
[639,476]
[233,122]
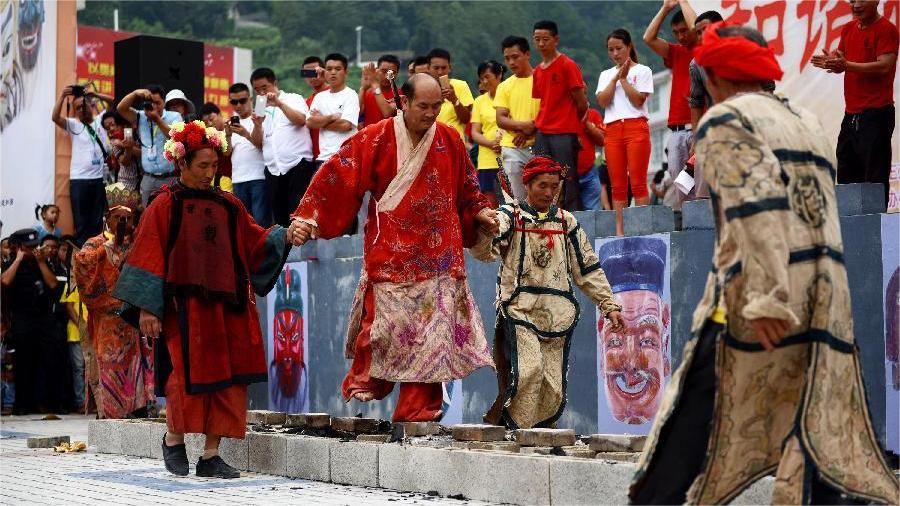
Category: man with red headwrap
[771,383]
[541,248]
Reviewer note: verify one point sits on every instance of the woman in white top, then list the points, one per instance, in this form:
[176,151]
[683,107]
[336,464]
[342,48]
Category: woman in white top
[622,91]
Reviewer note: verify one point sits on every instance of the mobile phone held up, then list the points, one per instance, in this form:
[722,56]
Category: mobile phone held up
[308,73]
[260,108]
[235,120]
[128,133]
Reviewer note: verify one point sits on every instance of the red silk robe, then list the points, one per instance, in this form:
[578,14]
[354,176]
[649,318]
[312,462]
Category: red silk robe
[424,326]
[214,343]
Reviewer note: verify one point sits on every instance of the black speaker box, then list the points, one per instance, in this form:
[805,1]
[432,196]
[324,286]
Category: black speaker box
[172,63]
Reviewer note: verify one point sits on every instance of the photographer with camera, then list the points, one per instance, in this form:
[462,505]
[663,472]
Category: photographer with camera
[248,169]
[146,108]
[86,164]
[126,153]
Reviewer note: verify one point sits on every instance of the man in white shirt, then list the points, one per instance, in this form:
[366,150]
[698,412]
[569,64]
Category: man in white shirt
[86,190]
[286,146]
[334,112]
[248,167]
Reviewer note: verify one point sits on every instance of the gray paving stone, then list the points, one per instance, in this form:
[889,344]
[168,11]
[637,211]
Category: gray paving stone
[545,437]
[105,435]
[418,469]
[46,441]
[268,452]
[501,477]
[605,224]
[697,215]
[584,481]
[236,452]
[417,429]
[645,220]
[136,438]
[308,420]
[579,451]
[536,450]
[758,493]
[374,438]
[194,444]
[157,433]
[266,417]
[502,446]
[478,432]
[309,457]
[619,456]
[354,463]
[617,443]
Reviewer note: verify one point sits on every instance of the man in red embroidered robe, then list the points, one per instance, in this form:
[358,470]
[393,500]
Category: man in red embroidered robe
[197,259]
[414,320]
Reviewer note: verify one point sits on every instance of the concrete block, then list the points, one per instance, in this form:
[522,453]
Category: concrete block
[860,198]
[193,445]
[478,432]
[235,452]
[697,215]
[348,246]
[500,446]
[578,451]
[305,252]
[309,458]
[758,493]
[157,433]
[325,249]
[263,417]
[374,438]
[618,456]
[46,442]
[355,425]
[617,443]
[583,481]
[418,469]
[105,435]
[604,224]
[136,439]
[588,222]
[536,450]
[418,429]
[308,420]
[545,437]
[267,453]
[501,477]
[355,463]
[645,220]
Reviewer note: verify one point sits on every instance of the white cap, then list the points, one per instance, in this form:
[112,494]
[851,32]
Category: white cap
[177,94]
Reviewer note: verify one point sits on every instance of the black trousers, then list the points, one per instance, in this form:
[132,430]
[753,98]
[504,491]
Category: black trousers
[563,148]
[40,365]
[88,198]
[864,147]
[286,190]
[683,441]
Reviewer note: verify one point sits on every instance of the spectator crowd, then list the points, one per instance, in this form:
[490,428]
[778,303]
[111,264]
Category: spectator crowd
[277,139]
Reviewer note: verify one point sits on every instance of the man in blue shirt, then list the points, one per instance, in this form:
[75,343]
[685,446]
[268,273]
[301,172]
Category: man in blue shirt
[152,132]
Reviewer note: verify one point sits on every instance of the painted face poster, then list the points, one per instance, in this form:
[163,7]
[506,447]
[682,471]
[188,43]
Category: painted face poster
[288,329]
[634,363]
[890,262]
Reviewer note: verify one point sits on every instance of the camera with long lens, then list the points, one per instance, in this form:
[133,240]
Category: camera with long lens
[77,90]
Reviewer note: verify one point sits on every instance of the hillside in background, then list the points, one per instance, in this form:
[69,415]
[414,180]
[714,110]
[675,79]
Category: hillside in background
[281,34]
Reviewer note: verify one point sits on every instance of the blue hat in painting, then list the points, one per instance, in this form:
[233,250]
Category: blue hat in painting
[288,293]
[635,263]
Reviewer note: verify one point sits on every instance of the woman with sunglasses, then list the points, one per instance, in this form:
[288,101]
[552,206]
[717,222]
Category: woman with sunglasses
[248,169]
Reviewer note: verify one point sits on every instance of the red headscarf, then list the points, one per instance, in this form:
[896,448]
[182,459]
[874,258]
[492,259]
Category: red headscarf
[736,58]
[540,165]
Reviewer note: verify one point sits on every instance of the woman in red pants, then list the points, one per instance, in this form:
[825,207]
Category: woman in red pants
[622,91]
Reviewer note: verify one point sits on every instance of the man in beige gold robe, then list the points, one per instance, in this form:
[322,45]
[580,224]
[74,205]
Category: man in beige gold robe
[772,382]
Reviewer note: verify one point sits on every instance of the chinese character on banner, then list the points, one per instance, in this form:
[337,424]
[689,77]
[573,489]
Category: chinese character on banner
[837,13]
[765,11]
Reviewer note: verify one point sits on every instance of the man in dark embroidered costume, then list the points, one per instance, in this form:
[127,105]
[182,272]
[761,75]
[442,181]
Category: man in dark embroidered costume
[772,381]
[539,246]
[197,259]
[414,319]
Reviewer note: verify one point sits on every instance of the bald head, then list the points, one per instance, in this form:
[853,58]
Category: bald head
[421,102]
[420,84]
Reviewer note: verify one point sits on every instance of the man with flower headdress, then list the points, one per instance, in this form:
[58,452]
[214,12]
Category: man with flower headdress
[118,362]
[198,257]
[541,248]
[772,382]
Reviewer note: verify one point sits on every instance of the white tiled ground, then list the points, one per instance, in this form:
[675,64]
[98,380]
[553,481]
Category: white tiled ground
[39,476]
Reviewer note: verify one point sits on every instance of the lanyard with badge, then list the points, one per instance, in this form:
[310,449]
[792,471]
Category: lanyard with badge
[95,158]
[151,149]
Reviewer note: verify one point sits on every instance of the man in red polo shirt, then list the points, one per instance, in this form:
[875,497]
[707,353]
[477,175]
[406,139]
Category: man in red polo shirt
[376,98]
[678,58]
[559,85]
[867,56]
[317,85]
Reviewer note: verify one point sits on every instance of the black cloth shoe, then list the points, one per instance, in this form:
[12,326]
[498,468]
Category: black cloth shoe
[175,458]
[216,468]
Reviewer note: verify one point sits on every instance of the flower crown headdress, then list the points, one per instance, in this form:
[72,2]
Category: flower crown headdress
[193,136]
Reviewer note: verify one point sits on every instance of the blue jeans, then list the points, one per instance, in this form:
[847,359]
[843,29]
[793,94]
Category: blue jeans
[589,186]
[255,197]
[88,198]
[76,359]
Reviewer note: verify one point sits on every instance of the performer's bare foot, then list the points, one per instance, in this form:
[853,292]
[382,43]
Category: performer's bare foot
[363,396]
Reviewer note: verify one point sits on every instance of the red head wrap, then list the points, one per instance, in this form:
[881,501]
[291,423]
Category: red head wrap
[540,165]
[736,58]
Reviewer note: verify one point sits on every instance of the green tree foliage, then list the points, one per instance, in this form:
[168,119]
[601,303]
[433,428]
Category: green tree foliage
[470,30]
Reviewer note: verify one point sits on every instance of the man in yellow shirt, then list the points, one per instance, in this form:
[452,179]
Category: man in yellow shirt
[516,111]
[456,110]
[76,311]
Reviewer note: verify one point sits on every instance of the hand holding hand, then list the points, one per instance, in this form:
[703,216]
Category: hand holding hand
[769,331]
[300,231]
[150,324]
[487,219]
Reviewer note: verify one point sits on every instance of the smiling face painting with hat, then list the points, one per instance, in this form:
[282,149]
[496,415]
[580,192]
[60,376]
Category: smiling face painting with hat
[541,249]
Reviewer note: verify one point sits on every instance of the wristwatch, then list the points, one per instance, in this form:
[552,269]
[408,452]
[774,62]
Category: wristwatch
[377,90]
